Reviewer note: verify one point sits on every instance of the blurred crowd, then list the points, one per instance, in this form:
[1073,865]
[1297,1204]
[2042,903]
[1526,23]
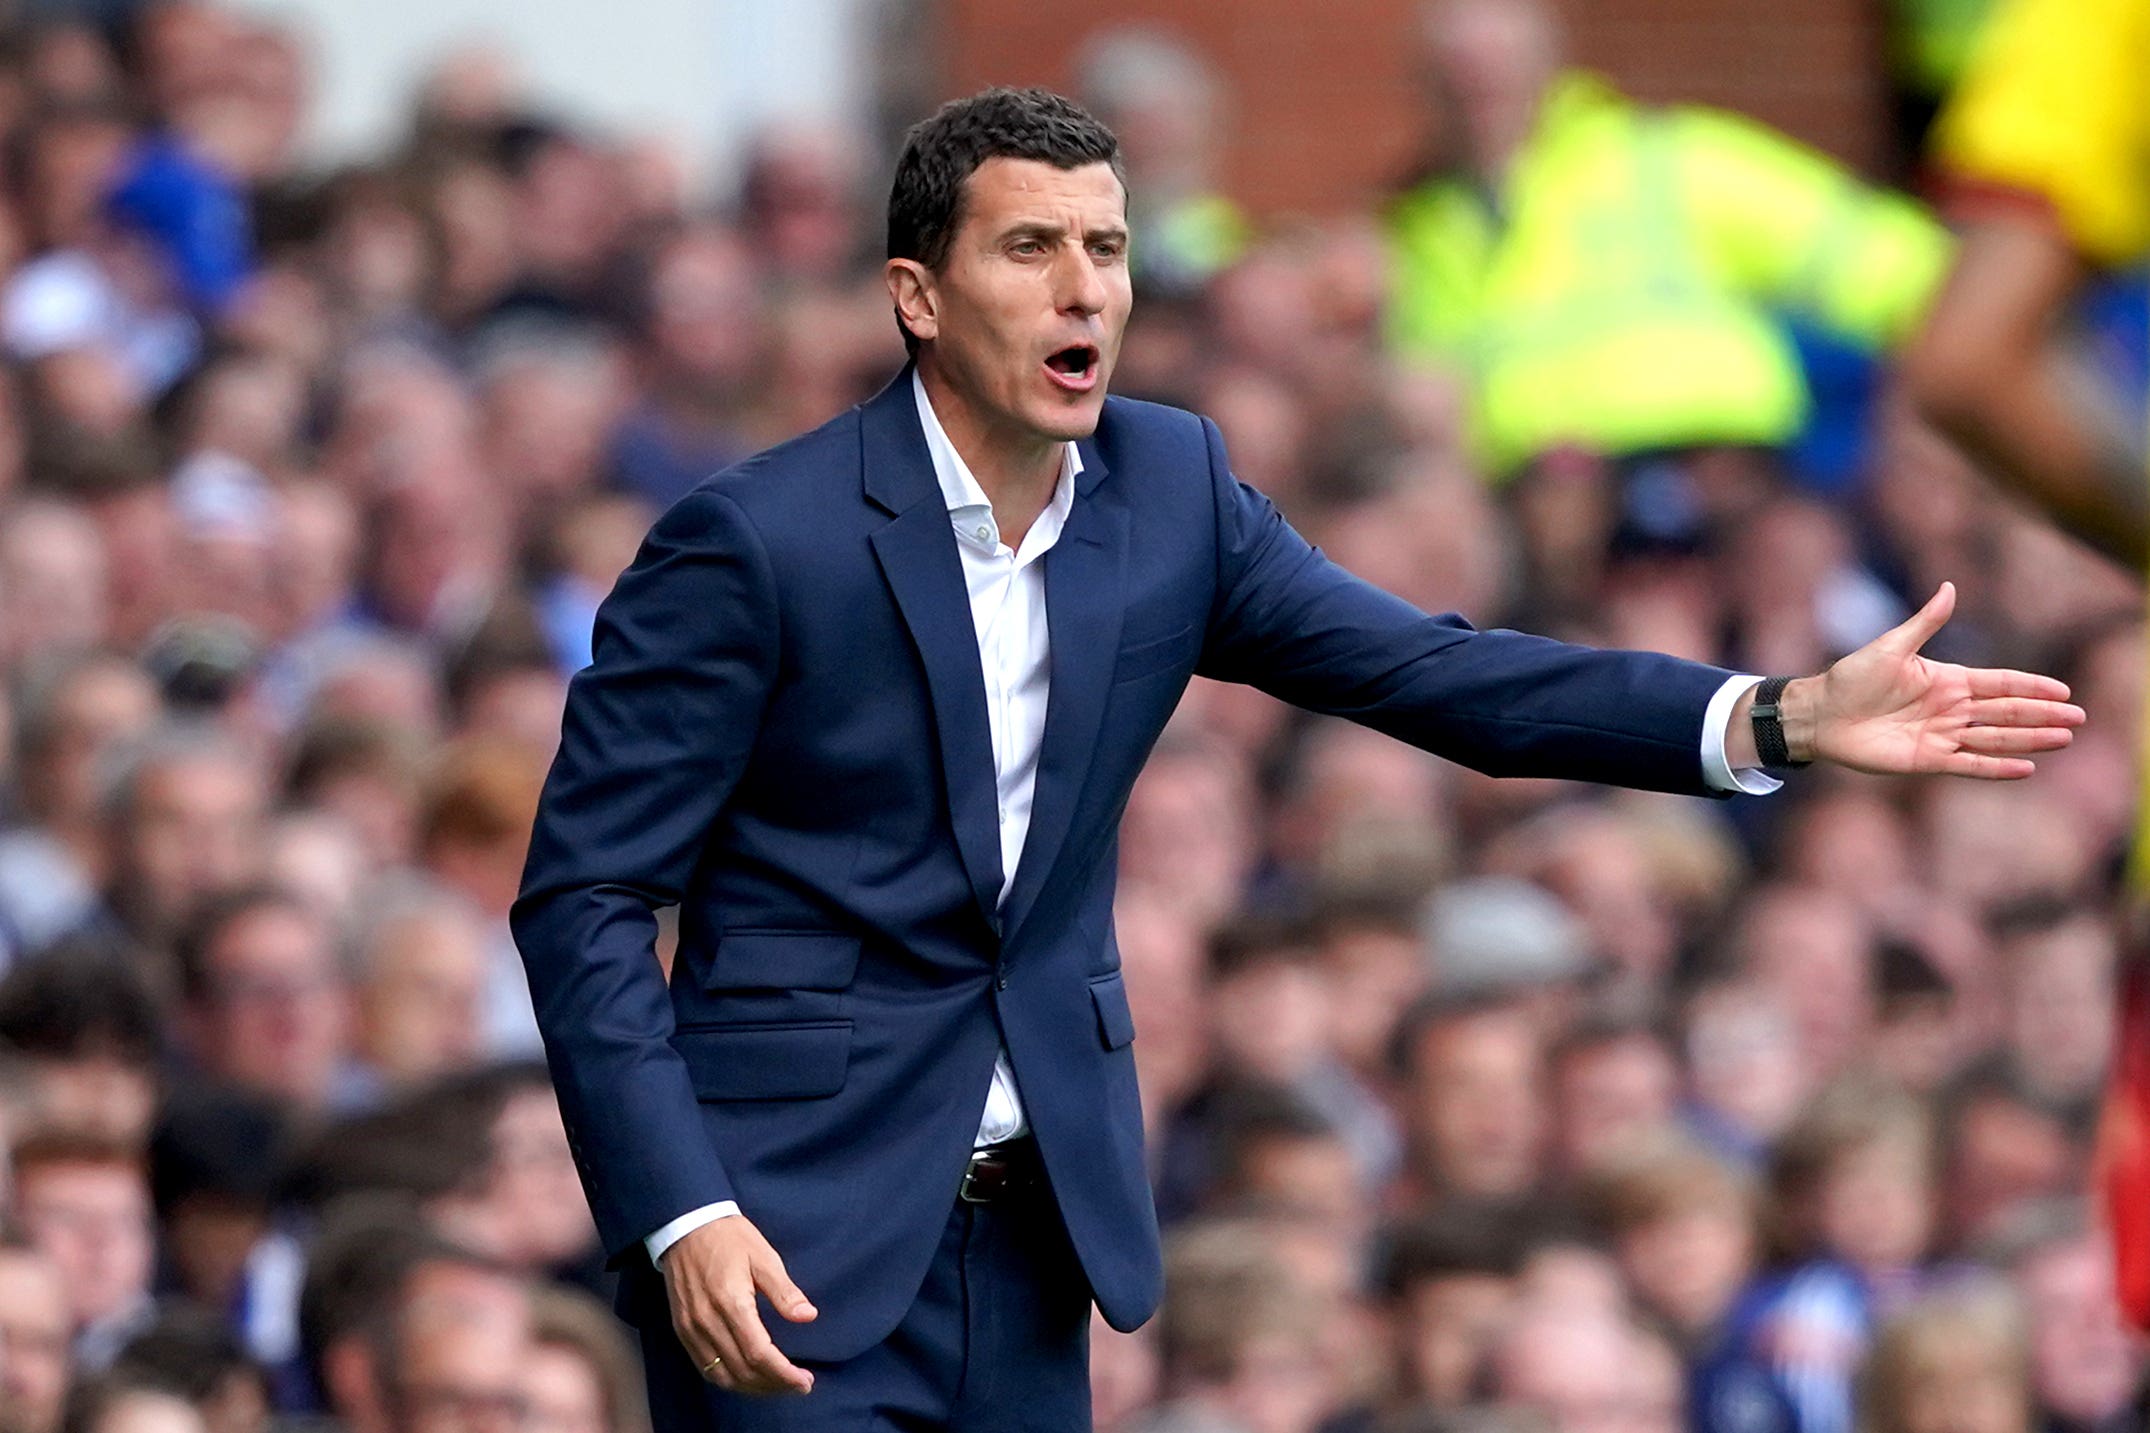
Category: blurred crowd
[1475,1103]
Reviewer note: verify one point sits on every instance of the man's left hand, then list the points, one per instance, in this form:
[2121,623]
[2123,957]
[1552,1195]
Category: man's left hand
[1887,709]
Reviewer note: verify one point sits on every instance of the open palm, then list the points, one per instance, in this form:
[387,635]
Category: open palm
[1885,708]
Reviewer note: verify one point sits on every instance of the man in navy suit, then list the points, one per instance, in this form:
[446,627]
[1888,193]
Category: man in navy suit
[867,708]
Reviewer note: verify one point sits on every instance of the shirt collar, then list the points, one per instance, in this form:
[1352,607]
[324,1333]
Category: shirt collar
[966,500]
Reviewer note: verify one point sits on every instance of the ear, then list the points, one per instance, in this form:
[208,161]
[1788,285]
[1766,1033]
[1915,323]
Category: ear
[911,290]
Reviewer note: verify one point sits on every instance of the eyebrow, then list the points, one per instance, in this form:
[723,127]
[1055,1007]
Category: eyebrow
[1040,229]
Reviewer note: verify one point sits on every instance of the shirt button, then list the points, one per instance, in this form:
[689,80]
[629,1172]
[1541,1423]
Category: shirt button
[984,533]
[1003,818]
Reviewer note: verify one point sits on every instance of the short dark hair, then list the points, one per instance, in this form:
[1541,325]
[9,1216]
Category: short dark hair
[925,203]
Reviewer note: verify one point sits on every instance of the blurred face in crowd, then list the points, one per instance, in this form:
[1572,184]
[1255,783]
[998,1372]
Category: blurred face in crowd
[1309,1174]
[1123,1373]
[707,325]
[1444,1326]
[1688,1262]
[418,1004]
[1585,1373]
[1187,839]
[275,1015]
[52,581]
[1161,956]
[1271,1018]
[1744,1059]
[92,1220]
[1610,1092]
[1876,1203]
[1021,322]
[534,1185]
[193,831]
[1373,973]
[98,708]
[2004,1151]
[563,1390]
[2085,1364]
[1476,1103]
[36,1328]
[1491,60]
[2060,1005]
[455,1363]
[1813,953]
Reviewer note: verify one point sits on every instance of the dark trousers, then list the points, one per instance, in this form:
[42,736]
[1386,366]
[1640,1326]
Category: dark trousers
[998,1341]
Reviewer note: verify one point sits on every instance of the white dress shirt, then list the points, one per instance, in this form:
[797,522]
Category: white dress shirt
[1007,605]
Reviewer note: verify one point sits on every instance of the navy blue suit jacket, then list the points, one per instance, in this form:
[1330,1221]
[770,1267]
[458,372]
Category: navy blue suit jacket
[784,733]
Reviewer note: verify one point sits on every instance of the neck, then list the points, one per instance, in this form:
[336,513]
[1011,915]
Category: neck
[1017,468]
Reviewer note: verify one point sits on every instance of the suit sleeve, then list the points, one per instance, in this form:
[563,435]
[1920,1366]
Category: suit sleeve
[1293,623]
[657,730]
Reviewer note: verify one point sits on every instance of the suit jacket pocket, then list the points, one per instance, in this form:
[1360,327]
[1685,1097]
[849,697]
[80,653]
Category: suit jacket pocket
[783,960]
[795,1060]
[1150,657]
[1115,1022]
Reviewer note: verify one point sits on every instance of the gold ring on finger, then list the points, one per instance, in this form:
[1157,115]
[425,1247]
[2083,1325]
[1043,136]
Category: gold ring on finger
[713,1364]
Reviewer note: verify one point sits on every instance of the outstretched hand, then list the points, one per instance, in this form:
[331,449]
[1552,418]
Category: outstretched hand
[1885,708]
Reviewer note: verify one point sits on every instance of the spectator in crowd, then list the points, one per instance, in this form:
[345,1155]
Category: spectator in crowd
[37,1326]
[1852,1194]
[409,1334]
[1164,102]
[189,1354]
[1719,223]
[264,1000]
[1475,1117]
[1235,1340]
[185,825]
[1451,1281]
[85,1025]
[581,1374]
[84,1202]
[2086,1365]
[1684,1224]
[1956,1358]
[418,986]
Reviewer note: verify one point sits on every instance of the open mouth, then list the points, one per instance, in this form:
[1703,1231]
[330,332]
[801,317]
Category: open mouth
[1074,367]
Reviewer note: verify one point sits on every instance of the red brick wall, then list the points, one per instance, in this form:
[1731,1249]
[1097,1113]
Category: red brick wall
[1323,90]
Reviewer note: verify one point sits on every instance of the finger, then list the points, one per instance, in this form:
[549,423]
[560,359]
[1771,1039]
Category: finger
[1987,768]
[2002,682]
[763,1363]
[785,1296]
[706,1339]
[2013,740]
[2023,711]
[1918,629]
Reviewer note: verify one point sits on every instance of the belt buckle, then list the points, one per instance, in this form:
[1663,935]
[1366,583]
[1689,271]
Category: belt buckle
[973,1189]
[988,1176]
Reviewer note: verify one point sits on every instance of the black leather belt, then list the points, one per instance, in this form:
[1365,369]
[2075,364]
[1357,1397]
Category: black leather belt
[1001,1170]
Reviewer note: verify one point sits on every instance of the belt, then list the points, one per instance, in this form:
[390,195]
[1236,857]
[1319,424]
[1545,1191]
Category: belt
[1001,1170]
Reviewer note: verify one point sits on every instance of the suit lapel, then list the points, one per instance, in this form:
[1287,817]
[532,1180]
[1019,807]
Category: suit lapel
[1085,599]
[918,557]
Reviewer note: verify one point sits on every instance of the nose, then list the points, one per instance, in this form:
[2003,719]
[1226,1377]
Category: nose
[1081,287]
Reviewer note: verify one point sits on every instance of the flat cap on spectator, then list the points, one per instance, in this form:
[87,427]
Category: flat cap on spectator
[1497,933]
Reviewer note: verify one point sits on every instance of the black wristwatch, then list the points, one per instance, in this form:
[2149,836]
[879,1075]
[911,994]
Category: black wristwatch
[1768,716]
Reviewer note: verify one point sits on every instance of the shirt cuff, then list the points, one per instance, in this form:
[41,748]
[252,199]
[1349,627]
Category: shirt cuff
[1717,771]
[686,1224]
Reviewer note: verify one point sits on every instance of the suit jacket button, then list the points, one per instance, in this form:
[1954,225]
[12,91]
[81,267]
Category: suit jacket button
[1000,982]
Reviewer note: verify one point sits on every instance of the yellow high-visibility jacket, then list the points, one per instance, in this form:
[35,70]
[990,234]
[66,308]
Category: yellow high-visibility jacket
[1623,289]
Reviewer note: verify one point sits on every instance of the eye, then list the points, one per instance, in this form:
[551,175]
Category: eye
[1027,248]
[1107,248]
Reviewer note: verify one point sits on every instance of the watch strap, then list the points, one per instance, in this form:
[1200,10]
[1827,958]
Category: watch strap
[1768,718]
